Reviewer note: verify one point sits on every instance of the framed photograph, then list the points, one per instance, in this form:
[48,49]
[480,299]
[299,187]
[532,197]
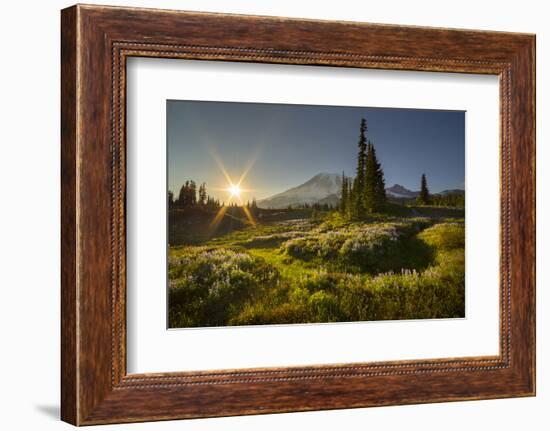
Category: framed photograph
[263,229]
[266,215]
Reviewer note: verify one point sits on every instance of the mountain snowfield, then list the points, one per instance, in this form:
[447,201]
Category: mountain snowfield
[325,188]
[318,188]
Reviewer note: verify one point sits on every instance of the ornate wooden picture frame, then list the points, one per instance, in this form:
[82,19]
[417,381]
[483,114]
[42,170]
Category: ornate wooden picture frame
[96,41]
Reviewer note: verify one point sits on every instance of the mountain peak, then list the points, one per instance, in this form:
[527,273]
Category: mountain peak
[398,191]
[315,189]
[323,175]
[325,179]
[324,188]
[398,188]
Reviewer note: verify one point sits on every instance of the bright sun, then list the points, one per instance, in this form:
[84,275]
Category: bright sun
[234,190]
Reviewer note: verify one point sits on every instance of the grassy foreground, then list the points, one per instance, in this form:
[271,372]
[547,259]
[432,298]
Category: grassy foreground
[321,269]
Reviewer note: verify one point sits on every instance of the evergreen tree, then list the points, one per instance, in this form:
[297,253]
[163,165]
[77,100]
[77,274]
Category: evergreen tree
[350,200]
[424,196]
[202,194]
[380,185]
[192,193]
[170,199]
[370,179]
[344,195]
[375,187]
[455,200]
[183,195]
[367,191]
[359,205]
[188,195]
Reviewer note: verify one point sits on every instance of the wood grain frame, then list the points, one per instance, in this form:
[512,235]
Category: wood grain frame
[95,43]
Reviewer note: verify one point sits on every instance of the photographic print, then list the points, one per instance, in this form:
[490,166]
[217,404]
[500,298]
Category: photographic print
[295,214]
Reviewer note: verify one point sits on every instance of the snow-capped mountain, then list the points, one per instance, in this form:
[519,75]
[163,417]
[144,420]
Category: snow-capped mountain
[398,191]
[322,187]
[326,189]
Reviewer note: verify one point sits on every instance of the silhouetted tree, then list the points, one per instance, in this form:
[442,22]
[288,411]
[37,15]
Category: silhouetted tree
[192,193]
[183,195]
[254,207]
[187,197]
[424,196]
[202,194]
[170,198]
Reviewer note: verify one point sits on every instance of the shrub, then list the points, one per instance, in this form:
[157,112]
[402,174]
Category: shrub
[436,292]
[356,247]
[370,247]
[207,286]
[323,307]
[444,236]
[378,271]
[270,240]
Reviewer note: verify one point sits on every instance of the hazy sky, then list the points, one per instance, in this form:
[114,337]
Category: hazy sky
[285,145]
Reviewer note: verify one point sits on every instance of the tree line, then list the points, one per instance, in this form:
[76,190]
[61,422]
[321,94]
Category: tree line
[360,196]
[424,197]
[316,206]
[447,200]
[366,193]
[190,196]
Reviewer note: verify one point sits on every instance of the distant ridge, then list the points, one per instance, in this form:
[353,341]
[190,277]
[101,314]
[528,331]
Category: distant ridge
[326,188]
[451,192]
[398,191]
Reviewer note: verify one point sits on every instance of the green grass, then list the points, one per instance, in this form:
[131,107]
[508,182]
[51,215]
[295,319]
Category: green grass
[323,270]
[289,268]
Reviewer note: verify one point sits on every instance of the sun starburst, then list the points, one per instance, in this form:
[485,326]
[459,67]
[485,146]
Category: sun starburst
[234,190]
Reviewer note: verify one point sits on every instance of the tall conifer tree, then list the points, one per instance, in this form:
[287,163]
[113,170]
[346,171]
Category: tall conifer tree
[370,178]
[359,206]
[380,185]
[375,189]
[424,196]
[202,194]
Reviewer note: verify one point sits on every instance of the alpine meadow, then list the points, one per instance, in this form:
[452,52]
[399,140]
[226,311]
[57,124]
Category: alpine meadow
[285,214]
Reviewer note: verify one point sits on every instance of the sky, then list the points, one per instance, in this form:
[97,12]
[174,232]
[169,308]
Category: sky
[279,146]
